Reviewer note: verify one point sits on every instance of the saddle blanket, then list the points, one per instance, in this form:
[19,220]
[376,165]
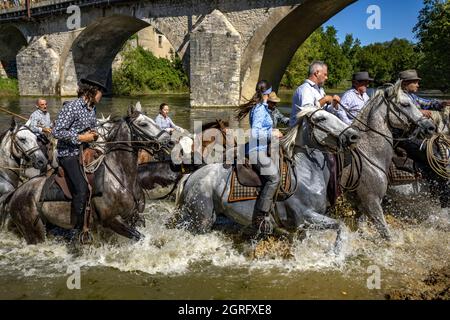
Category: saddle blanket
[239,192]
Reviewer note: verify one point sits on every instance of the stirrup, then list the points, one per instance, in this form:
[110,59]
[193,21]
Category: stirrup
[264,225]
[85,237]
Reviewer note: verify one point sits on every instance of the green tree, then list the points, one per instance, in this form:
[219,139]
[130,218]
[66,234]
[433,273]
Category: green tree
[339,67]
[142,72]
[385,60]
[433,32]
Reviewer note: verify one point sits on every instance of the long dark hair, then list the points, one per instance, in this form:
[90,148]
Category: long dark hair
[88,91]
[245,108]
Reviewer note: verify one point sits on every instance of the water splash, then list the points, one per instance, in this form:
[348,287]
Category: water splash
[414,250]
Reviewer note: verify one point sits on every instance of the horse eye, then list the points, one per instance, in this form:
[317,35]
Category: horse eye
[22,140]
[320,119]
[143,124]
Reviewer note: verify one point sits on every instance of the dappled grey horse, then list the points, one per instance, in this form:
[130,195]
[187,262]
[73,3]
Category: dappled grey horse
[203,195]
[18,144]
[121,194]
[390,108]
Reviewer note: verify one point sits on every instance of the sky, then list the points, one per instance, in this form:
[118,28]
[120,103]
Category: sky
[398,18]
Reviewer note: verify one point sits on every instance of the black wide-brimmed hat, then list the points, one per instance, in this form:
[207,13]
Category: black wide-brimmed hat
[361,76]
[94,80]
[409,75]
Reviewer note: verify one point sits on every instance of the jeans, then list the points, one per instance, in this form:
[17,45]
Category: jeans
[270,177]
[77,186]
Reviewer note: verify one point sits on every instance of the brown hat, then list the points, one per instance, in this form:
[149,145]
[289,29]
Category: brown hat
[273,97]
[409,75]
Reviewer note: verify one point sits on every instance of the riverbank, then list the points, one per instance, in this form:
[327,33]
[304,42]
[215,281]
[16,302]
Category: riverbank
[9,87]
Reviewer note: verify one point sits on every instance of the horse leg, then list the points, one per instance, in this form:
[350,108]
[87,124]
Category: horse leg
[196,212]
[117,225]
[25,216]
[323,222]
[372,207]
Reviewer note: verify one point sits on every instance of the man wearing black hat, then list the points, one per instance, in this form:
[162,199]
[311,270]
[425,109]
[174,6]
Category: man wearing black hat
[75,125]
[410,84]
[354,99]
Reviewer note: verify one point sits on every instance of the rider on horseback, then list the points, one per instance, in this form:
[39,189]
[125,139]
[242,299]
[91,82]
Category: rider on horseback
[414,147]
[73,127]
[261,124]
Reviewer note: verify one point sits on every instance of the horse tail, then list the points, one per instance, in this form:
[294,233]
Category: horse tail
[180,190]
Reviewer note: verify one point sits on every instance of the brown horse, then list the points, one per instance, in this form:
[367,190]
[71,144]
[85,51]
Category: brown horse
[158,171]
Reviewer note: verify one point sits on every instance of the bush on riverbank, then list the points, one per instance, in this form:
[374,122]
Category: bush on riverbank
[9,87]
[143,73]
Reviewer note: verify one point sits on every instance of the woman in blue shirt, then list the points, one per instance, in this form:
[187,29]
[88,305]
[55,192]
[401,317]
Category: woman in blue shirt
[262,130]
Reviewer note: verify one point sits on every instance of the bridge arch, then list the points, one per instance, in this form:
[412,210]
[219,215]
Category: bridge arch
[94,49]
[271,49]
[12,40]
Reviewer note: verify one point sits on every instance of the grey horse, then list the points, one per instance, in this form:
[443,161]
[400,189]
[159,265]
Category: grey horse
[389,109]
[18,144]
[203,195]
[121,197]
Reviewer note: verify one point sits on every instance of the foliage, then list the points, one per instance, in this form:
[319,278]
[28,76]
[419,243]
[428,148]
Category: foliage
[433,32]
[142,72]
[9,87]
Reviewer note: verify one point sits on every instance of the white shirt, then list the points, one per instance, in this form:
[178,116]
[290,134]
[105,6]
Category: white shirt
[306,95]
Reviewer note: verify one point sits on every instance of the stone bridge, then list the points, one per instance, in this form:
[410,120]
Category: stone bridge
[225,45]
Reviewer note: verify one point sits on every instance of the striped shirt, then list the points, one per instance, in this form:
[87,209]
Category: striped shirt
[353,101]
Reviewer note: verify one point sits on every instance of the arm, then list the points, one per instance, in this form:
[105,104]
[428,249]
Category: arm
[63,123]
[427,104]
[341,113]
[158,121]
[32,123]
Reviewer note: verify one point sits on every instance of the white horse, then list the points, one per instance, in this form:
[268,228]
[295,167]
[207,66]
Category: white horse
[18,144]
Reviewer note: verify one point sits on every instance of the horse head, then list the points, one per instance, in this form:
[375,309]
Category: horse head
[24,145]
[402,112]
[317,128]
[146,129]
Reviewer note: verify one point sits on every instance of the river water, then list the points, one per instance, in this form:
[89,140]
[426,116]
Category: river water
[174,264]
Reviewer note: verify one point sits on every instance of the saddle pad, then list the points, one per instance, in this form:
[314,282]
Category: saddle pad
[239,192]
[397,176]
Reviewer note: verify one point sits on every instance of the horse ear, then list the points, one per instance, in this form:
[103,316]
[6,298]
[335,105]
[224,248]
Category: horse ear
[138,107]
[130,111]
[13,124]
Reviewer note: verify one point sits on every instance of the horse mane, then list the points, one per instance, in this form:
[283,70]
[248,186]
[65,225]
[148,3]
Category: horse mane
[288,141]
[214,124]
[387,90]
[3,134]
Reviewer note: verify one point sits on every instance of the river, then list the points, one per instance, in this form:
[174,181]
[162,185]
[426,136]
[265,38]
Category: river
[174,264]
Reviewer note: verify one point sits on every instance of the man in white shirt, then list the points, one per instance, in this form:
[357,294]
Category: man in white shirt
[354,99]
[311,92]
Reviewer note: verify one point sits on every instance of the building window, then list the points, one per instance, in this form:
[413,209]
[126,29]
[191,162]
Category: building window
[160,40]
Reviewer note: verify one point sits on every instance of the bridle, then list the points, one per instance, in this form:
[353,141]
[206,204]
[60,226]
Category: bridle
[314,126]
[17,149]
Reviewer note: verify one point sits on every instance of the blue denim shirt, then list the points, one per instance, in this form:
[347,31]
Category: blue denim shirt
[261,125]
[74,118]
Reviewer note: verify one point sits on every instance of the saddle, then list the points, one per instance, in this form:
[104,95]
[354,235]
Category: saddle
[56,186]
[245,183]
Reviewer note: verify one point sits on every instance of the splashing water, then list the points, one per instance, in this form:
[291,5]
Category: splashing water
[166,252]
